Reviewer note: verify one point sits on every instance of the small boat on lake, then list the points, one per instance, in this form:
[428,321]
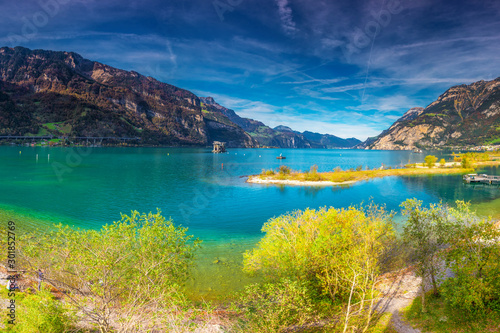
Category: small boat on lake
[281,157]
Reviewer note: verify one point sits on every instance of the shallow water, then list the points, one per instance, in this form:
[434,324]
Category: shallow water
[89,187]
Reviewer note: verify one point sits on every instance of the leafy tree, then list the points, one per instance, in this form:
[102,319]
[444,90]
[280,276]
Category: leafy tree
[442,162]
[455,238]
[135,262]
[430,160]
[474,259]
[466,162]
[335,251]
[425,232]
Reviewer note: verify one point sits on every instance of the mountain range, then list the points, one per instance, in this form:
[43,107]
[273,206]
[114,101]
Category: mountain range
[464,115]
[62,94]
[279,136]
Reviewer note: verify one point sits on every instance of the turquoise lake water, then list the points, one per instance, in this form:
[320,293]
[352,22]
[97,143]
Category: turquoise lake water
[88,187]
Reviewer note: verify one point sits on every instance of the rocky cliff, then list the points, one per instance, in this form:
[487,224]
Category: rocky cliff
[464,115]
[63,94]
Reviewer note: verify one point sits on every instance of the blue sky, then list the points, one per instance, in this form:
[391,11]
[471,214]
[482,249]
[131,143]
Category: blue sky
[348,68]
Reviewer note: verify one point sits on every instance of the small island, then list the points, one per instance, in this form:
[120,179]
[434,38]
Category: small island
[461,164]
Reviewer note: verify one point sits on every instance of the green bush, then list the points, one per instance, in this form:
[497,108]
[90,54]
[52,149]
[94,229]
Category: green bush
[467,245]
[474,257]
[466,162]
[430,160]
[141,259]
[425,233]
[271,307]
[41,312]
[313,175]
[284,170]
[269,172]
[337,252]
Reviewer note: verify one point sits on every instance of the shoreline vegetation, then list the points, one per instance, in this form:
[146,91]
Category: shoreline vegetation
[462,164]
[337,275]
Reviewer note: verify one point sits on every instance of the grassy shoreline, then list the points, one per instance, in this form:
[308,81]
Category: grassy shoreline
[349,177]
[286,176]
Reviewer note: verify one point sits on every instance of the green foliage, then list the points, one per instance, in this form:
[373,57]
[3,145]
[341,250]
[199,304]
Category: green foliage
[466,162]
[474,257]
[440,318]
[359,168]
[284,170]
[424,232]
[271,307]
[430,160]
[41,312]
[468,158]
[494,141]
[313,174]
[337,252]
[467,245]
[269,172]
[139,259]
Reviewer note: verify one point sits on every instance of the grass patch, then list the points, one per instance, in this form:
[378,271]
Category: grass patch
[440,319]
[42,132]
[383,325]
[495,141]
[52,126]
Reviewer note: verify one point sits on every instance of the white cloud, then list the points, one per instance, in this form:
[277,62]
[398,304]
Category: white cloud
[386,104]
[285,13]
[344,124]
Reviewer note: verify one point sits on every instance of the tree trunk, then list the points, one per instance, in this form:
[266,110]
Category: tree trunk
[423,294]
[434,284]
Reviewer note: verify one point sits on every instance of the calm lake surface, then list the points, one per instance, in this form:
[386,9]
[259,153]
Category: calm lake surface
[89,187]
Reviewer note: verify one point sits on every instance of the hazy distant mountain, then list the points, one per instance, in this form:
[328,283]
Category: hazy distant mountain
[280,136]
[329,141]
[464,115]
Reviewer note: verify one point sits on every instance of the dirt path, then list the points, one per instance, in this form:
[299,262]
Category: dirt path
[399,292]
